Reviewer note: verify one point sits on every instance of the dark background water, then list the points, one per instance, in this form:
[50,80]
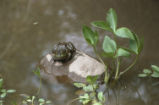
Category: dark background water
[29,28]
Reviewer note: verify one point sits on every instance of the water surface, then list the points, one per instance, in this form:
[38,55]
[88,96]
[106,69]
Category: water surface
[29,29]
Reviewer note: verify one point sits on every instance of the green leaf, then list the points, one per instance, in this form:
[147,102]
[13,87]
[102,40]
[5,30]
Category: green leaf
[136,45]
[112,19]
[41,104]
[1,82]
[24,102]
[122,52]
[90,36]
[33,98]
[79,85]
[133,46]
[101,97]
[124,33]
[109,45]
[85,99]
[147,71]
[97,103]
[140,45]
[104,54]
[88,88]
[155,68]
[85,96]
[41,100]
[91,79]
[48,102]
[28,100]
[142,75]
[3,95]
[3,90]
[11,91]
[155,74]
[95,86]
[102,25]
[37,72]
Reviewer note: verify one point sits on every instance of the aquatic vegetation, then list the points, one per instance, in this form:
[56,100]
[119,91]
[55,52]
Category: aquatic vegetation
[27,100]
[33,100]
[111,49]
[153,72]
[90,92]
[4,92]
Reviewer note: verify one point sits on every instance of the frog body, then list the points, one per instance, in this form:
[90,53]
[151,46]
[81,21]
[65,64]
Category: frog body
[63,51]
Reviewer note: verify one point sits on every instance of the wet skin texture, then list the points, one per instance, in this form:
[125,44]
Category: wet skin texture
[63,51]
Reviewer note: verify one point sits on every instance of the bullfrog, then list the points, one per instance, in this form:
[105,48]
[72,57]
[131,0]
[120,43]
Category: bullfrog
[63,51]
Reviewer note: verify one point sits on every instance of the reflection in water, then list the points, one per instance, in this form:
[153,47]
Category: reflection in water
[29,29]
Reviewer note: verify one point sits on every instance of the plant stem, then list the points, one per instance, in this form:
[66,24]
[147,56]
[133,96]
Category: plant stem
[99,58]
[130,66]
[73,100]
[117,69]
[106,78]
[39,87]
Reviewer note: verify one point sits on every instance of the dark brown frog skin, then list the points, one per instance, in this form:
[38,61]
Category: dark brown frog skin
[63,51]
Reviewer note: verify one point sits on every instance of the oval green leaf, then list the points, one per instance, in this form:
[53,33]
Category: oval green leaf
[101,96]
[122,52]
[88,88]
[142,75]
[41,100]
[124,33]
[102,25]
[97,103]
[1,82]
[155,68]
[3,95]
[112,19]
[109,45]
[133,46]
[11,91]
[147,71]
[90,36]
[136,45]
[155,74]
[91,79]
[79,85]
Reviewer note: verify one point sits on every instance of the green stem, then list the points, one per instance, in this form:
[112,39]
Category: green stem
[32,103]
[117,69]
[129,67]
[73,100]
[39,87]
[95,91]
[100,59]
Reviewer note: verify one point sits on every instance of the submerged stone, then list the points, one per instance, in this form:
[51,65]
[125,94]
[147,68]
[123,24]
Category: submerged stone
[76,69]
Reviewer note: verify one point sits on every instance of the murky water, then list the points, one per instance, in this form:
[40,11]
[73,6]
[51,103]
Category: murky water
[29,29]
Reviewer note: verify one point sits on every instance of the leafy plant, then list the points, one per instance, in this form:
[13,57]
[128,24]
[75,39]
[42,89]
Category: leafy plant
[91,95]
[153,72]
[37,73]
[110,47]
[33,100]
[28,100]
[112,50]
[4,92]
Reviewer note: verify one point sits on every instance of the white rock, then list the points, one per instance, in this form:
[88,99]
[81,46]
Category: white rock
[85,65]
[78,68]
